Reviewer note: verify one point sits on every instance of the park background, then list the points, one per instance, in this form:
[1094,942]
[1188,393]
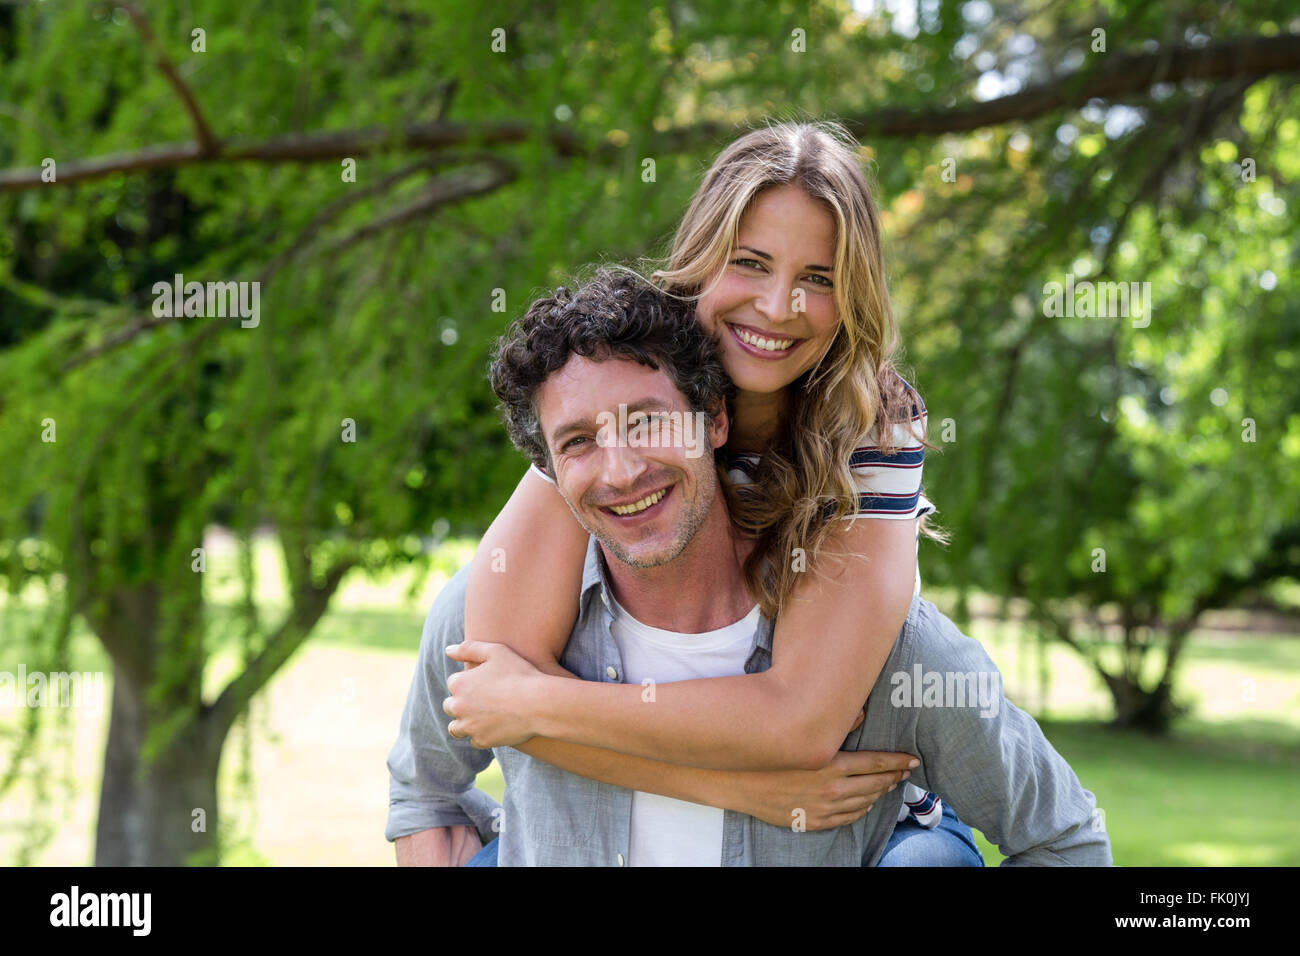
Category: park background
[1123,492]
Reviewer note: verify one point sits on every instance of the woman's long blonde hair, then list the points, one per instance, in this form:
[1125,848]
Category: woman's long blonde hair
[804,482]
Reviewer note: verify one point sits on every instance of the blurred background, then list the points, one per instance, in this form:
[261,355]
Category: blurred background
[229,526]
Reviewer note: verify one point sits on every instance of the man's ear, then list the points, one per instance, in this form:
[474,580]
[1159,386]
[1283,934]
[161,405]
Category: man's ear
[719,425]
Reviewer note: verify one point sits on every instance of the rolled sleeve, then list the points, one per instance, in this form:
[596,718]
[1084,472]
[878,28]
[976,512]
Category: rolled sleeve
[431,774]
[990,761]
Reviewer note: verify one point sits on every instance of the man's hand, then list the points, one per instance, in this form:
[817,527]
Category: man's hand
[838,794]
[441,846]
[491,698]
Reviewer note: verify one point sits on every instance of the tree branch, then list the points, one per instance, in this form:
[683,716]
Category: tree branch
[309,605]
[1123,74]
[207,142]
[296,148]
[1117,76]
[442,192]
[350,198]
[116,340]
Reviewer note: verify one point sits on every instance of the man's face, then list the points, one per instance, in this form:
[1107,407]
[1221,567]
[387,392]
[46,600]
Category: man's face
[662,494]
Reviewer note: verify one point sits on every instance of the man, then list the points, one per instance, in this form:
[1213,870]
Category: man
[649,583]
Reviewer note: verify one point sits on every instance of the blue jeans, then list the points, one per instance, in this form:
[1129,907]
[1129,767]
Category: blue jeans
[949,843]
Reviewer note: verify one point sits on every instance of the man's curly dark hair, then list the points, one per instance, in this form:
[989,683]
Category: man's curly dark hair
[613,314]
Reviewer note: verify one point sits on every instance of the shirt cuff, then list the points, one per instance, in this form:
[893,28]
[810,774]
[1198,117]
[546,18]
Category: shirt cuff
[924,506]
[409,816]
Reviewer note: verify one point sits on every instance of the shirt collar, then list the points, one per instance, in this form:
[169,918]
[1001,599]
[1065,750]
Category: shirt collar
[594,577]
[593,572]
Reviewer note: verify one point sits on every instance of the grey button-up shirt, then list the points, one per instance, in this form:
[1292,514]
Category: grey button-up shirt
[992,764]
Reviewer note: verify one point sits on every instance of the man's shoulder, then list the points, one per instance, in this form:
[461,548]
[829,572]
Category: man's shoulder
[453,592]
[947,681]
[446,615]
[931,639]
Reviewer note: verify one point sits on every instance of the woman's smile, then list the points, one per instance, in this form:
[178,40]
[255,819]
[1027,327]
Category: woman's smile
[764,345]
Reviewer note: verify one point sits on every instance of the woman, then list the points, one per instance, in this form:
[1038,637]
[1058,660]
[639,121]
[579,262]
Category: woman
[780,249]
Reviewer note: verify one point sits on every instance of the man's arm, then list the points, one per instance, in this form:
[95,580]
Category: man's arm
[431,774]
[990,761]
[442,846]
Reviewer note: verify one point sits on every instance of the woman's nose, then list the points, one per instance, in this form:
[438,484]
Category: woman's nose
[775,303]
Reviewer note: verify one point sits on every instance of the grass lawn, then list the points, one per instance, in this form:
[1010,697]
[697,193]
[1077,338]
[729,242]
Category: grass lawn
[1206,795]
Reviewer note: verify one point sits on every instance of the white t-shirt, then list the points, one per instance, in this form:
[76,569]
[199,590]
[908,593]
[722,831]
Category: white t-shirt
[668,832]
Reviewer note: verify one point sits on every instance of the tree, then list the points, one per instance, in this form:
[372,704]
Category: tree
[391,176]
[1136,465]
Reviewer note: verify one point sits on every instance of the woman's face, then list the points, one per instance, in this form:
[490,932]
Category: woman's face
[774,305]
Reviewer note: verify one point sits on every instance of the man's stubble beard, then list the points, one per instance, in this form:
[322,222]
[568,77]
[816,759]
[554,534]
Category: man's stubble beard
[692,520]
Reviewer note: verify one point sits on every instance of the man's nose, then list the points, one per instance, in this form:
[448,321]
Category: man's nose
[623,465]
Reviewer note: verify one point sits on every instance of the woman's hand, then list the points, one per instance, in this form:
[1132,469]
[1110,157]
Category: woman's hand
[838,794]
[491,698]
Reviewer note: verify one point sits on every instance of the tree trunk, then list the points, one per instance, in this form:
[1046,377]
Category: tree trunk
[147,804]
[147,808]
[1137,708]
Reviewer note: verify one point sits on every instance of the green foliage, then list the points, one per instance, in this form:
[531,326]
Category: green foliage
[1071,434]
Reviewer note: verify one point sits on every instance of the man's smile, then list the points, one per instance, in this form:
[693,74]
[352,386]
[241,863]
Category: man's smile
[635,510]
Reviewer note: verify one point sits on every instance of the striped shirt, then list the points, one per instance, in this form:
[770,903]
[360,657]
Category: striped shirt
[889,486]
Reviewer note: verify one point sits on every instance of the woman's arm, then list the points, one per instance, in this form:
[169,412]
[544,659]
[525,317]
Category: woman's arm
[831,642]
[836,795]
[531,557]
[536,529]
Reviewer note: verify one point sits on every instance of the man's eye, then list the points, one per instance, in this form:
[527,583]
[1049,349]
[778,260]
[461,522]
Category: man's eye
[572,441]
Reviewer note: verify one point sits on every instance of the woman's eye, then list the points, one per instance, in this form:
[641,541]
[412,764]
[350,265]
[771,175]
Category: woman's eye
[817,278]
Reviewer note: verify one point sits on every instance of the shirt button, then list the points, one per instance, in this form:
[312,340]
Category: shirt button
[613,674]
[620,859]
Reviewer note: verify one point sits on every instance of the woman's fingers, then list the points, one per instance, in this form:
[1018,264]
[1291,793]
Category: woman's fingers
[854,781]
[872,761]
[476,651]
[871,786]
